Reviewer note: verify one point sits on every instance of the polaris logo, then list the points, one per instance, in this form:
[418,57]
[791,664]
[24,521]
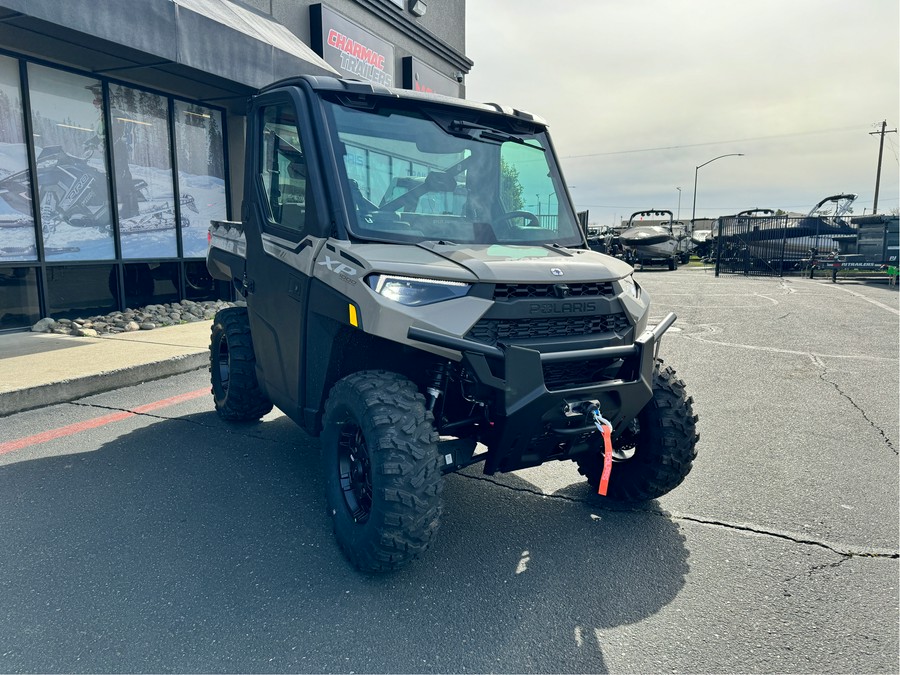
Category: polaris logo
[555,271]
[562,308]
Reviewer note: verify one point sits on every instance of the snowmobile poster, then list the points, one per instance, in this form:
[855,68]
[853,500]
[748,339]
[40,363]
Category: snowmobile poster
[63,204]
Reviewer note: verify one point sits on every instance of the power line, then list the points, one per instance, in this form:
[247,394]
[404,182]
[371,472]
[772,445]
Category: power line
[697,145]
[893,148]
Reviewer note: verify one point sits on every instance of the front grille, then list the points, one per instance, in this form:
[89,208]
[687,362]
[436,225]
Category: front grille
[509,292]
[571,374]
[492,331]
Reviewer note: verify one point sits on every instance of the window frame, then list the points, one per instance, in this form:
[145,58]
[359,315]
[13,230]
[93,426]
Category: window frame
[314,195]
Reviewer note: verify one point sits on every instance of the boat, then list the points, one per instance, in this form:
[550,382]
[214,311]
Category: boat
[767,238]
[666,242]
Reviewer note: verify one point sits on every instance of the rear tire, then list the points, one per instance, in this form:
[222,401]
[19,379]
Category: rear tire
[664,447]
[232,365]
[382,470]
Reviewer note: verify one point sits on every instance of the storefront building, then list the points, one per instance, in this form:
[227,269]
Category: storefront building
[121,129]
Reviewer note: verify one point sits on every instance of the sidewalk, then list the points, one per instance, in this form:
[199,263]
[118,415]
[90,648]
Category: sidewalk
[39,369]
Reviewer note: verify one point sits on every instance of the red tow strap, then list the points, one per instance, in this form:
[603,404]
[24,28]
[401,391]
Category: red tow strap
[605,428]
[607,459]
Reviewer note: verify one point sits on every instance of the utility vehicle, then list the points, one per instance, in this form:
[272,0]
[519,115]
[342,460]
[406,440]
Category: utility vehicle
[406,303]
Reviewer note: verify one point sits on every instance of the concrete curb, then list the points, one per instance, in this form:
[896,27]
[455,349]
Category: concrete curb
[69,390]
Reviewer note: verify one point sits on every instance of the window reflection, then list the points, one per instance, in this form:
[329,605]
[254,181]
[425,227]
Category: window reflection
[70,146]
[150,283]
[199,285]
[17,238]
[201,173]
[80,290]
[19,306]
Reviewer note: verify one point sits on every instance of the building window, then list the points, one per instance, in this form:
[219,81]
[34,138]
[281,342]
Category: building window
[70,145]
[19,300]
[145,189]
[199,285]
[17,238]
[201,173]
[149,283]
[114,223]
[80,291]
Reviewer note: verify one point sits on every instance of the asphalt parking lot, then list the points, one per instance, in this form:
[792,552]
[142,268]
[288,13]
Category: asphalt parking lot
[170,541]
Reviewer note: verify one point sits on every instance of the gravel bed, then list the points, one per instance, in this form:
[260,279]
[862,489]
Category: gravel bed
[145,318]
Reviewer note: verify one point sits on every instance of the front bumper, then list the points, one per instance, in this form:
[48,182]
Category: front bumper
[531,422]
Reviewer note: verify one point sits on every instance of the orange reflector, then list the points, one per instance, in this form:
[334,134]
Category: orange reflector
[354,320]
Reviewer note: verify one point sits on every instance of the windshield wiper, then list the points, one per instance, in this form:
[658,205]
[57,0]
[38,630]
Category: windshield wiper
[460,127]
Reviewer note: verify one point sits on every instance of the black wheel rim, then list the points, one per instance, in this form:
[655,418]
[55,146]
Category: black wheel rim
[223,366]
[355,472]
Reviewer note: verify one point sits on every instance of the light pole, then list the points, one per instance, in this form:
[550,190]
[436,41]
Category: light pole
[678,217]
[696,170]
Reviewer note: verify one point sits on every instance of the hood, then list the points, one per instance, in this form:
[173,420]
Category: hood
[494,263]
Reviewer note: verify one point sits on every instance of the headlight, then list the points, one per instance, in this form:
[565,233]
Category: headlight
[629,285]
[414,291]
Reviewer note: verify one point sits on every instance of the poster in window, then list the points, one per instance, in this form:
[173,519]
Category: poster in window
[200,149]
[72,178]
[145,188]
[17,238]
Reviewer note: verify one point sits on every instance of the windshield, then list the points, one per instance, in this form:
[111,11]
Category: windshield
[428,174]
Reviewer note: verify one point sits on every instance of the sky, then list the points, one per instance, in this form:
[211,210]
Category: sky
[639,93]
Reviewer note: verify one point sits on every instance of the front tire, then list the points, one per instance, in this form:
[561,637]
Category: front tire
[232,365]
[664,445]
[382,470]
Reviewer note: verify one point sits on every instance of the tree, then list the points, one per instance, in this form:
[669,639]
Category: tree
[511,191]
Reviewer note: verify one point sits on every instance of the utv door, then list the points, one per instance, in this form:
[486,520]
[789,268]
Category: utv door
[283,224]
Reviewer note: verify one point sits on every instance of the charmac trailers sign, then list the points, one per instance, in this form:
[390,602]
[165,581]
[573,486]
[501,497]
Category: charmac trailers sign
[351,49]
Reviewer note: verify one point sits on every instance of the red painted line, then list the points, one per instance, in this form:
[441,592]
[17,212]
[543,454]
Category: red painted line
[44,436]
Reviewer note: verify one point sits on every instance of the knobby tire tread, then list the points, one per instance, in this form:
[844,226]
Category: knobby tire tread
[244,401]
[665,450]
[407,484]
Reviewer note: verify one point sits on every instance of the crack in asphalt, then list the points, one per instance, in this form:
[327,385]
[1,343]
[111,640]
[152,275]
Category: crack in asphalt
[816,568]
[840,549]
[822,376]
[848,551]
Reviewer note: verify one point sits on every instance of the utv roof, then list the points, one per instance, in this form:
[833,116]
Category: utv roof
[362,88]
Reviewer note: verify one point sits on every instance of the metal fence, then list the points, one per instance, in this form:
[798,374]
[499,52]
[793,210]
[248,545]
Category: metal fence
[772,245]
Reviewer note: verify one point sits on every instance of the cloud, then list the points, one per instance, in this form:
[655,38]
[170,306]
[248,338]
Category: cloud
[802,82]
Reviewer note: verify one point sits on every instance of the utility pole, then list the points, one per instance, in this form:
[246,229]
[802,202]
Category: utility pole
[880,151]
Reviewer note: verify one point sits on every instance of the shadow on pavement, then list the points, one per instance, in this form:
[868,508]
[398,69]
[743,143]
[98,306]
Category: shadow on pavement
[190,546]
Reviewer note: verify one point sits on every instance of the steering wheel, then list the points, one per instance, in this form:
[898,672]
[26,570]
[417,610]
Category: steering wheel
[532,219]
